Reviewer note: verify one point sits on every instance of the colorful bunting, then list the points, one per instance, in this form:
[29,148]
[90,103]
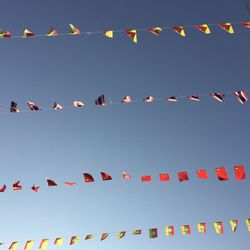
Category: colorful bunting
[241,96]
[14,245]
[221,174]
[246,24]
[106,177]
[164,177]
[248,224]
[78,104]
[126,176]
[234,224]
[89,237]
[156,31]
[16,186]
[52,32]
[35,188]
[227,27]
[108,33]
[183,176]
[204,28]
[100,101]
[126,99]
[240,173]
[153,233]
[27,33]
[194,98]
[70,183]
[148,99]
[73,30]
[218,226]
[202,174]
[74,240]
[13,107]
[132,34]
[139,231]
[218,96]
[51,183]
[5,34]
[59,241]
[88,177]
[32,106]
[169,230]
[29,244]
[3,188]
[104,236]
[121,234]
[185,229]
[57,106]
[43,244]
[202,227]
[179,30]
[171,99]
[146,178]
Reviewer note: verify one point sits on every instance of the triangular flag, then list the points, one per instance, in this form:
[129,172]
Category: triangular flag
[126,99]
[171,99]
[202,227]
[156,31]
[14,245]
[73,30]
[106,177]
[57,106]
[43,244]
[16,186]
[185,229]
[58,241]
[132,34]
[204,28]
[32,106]
[108,33]
[227,27]
[88,177]
[104,236]
[195,98]
[27,33]
[179,30]
[221,174]
[240,173]
[169,230]
[51,183]
[218,96]
[218,226]
[121,234]
[74,240]
[29,244]
[234,224]
[52,32]
[246,24]
[241,96]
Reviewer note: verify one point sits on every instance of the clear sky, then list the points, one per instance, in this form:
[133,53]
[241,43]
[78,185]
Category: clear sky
[140,139]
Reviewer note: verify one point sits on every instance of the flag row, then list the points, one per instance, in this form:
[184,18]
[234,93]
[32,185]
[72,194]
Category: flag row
[221,174]
[131,33]
[241,96]
[152,234]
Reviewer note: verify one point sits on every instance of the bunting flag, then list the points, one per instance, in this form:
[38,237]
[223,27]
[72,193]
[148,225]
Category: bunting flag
[29,244]
[185,230]
[108,33]
[16,186]
[132,34]
[43,244]
[121,234]
[179,30]
[70,183]
[218,96]
[126,176]
[241,96]
[221,174]
[35,188]
[153,233]
[204,28]
[51,183]
[5,34]
[106,177]
[139,231]
[74,240]
[148,99]
[89,237]
[246,24]
[169,230]
[13,107]
[100,101]
[195,98]
[227,27]
[202,174]
[126,99]
[27,33]
[52,32]
[3,188]
[171,99]
[57,106]
[218,226]
[146,178]
[156,31]
[88,177]
[234,224]
[248,224]
[59,241]
[202,227]
[78,104]
[73,30]
[14,245]
[164,177]
[32,106]
[240,173]
[183,176]
[104,236]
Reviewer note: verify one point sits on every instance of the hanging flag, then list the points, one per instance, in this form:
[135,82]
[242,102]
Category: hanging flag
[32,106]
[121,234]
[16,186]
[234,224]
[148,99]
[164,177]
[218,226]
[74,240]
[202,174]
[183,176]
[58,241]
[185,229]
[194,98]
[240,173]
[100,101]
[35,188]
[126,176]
[132,34]
[146,178]
[126,99]
[137,232]
[51,183]
[78,104]
[169,230]
[29,244]
[5,34]
[3,188]
[14,245]
[156,31]
[221,174]
[13,107]
[69,183]
[27,33]
[108,33]
[241,96]
[171,99]
[57,106]
[204,28]
[202,227]
[73,30]
[248,224]
[218,96]
[89,237]
[43,244]
[153,233]
[246,24]
[179,30]
[106,177]
[88,177]
[227,27]
[104,236]
[52,32]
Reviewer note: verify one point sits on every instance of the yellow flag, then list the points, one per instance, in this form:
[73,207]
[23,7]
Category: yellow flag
[44,244]
[248,224]
[227,27]
[218,226]
[74,240]
[204,28]
[29,244]
[14,245]
[108,33]
[234,224]
[58,241]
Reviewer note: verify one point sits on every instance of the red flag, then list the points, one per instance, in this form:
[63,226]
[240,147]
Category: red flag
[69,183]
[106,177]
[16,186]
[240,173]
[126,176]
[202,174]
[146,178]
[35,188]
[221,174]
[51,182]
[183,176]
[3,188]
[88,177]
[164,177]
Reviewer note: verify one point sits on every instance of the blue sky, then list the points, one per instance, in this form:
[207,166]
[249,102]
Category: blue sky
[140,139]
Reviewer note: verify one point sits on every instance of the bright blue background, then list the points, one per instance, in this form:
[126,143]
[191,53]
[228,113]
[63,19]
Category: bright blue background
[140,138]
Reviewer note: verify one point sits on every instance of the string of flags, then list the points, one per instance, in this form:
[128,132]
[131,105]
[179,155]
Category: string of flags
[221,174]
[241,96]
[170,230]
[131,33]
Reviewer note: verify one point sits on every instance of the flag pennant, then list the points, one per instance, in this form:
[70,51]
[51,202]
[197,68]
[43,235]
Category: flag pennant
[104,236]
[218,96]
[234,224]
[179,30]
[106,177]
[74,240]
[121,234]
[3,188]
[146,178]
[204,28]
[194,98]
[153,233]
[132,34]
[100,101]
[248,224]
[88,177]
[78,104]
[27,33]
[202,228]
[59,241]
[183,176]
[246,24]
[57,106]
[32,106]
[52,32]
[218,226]
[35,188]
[126,176]
[14,245]
[108,33]
[156,31]
[227,27]
[51,183]
[171,99]
[241,96]
[44,244]
[202,174]
[240,173]
[13,107]
[29,244]
[73,30]
[221,174]
[137,232]
[169,231]
[70,183]
[164,177]
[5,34]
[16,186]
[89,237]
[126,99]
[185,229]
[148,99]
